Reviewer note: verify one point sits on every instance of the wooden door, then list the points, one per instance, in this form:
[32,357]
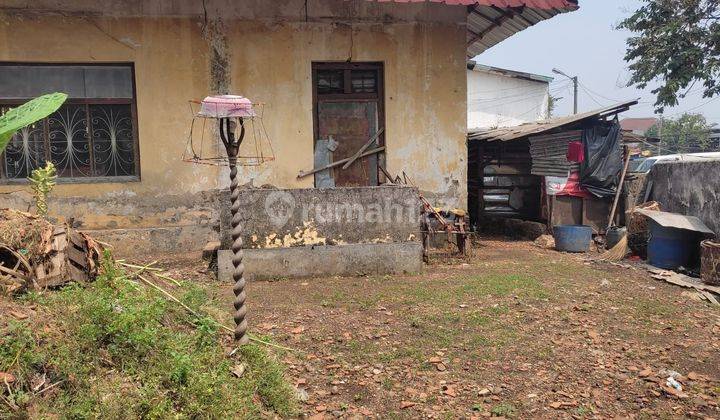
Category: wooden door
[348,107]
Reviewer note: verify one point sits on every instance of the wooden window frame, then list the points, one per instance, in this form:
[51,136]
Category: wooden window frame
[132,102]
[348,96]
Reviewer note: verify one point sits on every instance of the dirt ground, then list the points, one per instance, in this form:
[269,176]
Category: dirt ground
[515,331]
[512,331]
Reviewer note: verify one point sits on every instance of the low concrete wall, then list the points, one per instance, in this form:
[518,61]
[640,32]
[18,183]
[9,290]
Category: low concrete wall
[689,188]
[132,224]
[317,261]
[275,218]
[135,225]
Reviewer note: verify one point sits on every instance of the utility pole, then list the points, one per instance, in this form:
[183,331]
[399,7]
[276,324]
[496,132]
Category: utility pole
[575,86]
[574,80]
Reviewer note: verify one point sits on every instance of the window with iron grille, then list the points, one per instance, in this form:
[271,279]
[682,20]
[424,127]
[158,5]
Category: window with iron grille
[92,137]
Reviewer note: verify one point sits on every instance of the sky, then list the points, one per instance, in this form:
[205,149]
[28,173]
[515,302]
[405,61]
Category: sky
[585,43]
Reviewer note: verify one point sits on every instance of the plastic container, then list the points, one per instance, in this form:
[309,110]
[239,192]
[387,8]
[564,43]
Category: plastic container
[572,238]
[614,235]
[670,248]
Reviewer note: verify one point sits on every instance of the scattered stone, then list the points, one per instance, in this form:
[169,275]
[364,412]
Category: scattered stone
[301,394]
[238,370]
[406,404]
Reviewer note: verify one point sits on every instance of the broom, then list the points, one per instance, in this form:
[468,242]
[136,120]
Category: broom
[618,252]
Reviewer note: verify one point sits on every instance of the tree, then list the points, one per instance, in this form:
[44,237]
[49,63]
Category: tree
[688,133]
[676,42]
[551,104]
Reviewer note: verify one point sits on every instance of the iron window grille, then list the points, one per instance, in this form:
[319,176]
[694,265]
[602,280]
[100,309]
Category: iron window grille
[91,138]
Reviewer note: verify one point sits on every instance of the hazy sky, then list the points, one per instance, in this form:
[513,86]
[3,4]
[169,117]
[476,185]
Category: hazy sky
[585,43]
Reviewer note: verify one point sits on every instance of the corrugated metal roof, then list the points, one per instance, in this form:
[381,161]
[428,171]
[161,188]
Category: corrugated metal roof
[472,65]
[537,4]
[489,24]
[492,21]
[516,132]
[678,221]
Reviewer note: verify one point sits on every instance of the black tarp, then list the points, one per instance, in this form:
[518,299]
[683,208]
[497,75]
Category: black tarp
[600,171]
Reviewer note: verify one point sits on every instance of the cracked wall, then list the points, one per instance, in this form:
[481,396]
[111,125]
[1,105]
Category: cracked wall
[689,188]
[263,51]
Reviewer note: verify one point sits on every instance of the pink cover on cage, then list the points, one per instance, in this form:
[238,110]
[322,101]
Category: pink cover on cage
[226,106]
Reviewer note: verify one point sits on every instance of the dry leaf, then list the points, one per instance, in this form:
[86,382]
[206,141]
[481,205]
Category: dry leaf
[406,404]
[7,377]
[18,315]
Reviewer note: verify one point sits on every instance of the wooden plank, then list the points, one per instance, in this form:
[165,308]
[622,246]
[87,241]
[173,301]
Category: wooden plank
[364,147]
[76,256]
[339,162]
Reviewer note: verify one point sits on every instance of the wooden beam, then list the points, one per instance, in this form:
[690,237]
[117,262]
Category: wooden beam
[364,147]
[303,174]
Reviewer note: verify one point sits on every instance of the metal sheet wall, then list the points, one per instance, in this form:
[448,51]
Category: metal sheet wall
[549,153]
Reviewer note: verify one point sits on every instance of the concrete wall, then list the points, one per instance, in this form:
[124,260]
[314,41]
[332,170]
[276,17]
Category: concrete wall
[268,48]
[274,218]
[323,261]
[689,188]
[497,100]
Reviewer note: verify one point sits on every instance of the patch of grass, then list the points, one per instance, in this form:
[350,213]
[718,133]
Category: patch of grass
[116,349]
[504,285]
[651,308]
[503,410]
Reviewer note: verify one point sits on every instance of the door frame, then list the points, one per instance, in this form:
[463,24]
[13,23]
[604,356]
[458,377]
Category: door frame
[348,96]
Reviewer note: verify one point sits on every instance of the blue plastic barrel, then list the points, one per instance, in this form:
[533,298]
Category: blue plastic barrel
[572,238]
[670,248]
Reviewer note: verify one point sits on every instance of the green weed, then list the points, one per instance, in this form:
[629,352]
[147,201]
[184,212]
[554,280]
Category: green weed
[116,349]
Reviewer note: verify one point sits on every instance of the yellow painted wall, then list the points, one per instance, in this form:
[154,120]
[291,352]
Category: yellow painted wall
[425,112]
[170,59]
[425,93]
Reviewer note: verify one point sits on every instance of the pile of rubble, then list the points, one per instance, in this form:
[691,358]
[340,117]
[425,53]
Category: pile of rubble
[36,254]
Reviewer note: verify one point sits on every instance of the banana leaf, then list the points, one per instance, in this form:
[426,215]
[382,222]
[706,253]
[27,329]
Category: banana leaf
[28,113]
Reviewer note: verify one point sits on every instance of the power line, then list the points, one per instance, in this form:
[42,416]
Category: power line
[503,101]
[518,95]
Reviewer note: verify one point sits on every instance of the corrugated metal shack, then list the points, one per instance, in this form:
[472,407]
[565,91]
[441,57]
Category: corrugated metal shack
[523,172]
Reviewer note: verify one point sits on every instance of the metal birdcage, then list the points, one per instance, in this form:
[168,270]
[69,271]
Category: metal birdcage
[232,111]
[236,118]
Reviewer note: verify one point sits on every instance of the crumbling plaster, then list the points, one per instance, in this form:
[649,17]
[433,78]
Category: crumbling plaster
[269,49]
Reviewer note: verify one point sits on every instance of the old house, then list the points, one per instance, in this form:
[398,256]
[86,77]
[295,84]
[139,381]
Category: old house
[321,67]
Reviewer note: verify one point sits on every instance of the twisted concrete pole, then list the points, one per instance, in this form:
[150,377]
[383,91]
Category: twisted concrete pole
[232,146]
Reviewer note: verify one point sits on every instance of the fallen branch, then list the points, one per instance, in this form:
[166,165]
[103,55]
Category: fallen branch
[51,386]
[198,315]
